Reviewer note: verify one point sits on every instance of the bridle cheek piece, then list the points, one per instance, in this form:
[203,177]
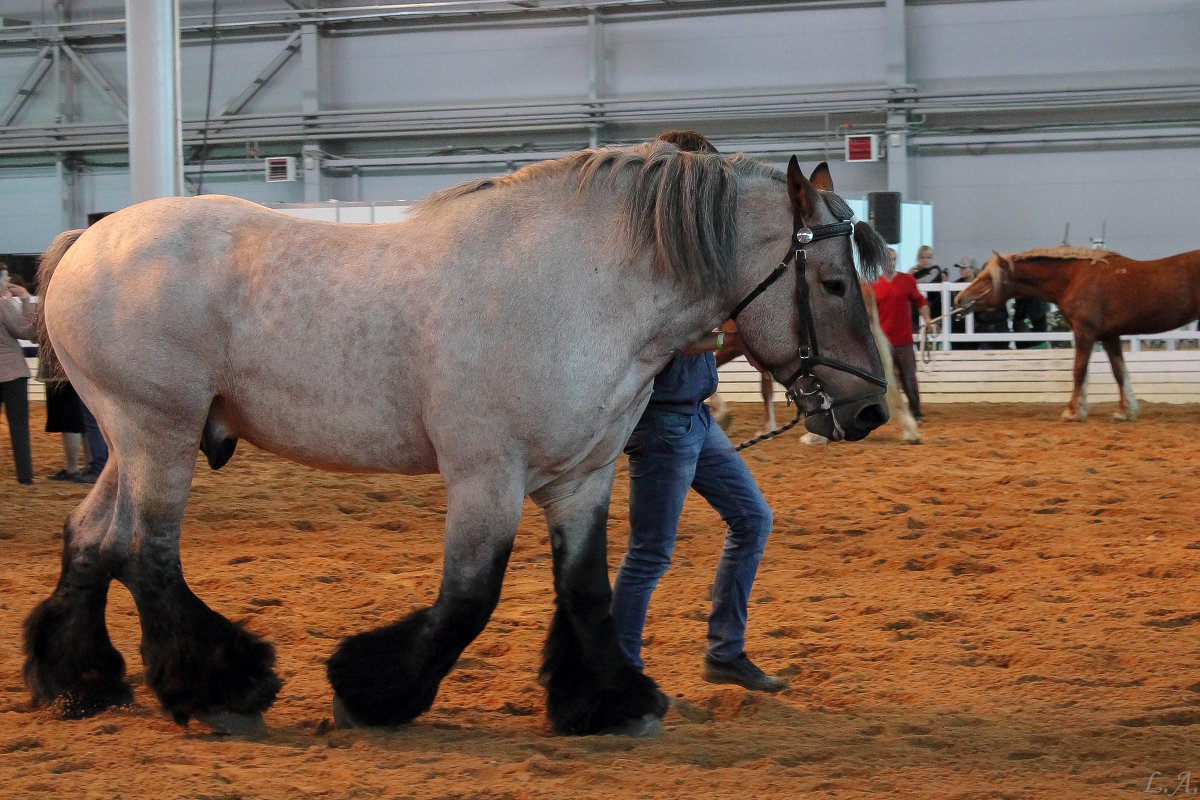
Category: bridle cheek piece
[810,356]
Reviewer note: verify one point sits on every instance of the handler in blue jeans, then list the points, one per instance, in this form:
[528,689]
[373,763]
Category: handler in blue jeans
[678,446]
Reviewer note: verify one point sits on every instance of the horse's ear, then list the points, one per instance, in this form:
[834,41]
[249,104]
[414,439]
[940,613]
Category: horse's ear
[1003,263]
[821,178]
[801,192]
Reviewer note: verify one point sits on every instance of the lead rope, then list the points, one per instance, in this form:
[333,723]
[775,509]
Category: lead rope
[771,434]
[927,340]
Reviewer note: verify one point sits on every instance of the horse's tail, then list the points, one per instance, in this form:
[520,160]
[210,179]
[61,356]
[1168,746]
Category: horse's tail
[49,368]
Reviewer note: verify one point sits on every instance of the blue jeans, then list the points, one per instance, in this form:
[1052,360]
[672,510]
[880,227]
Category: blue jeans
[670,452]
[97,448]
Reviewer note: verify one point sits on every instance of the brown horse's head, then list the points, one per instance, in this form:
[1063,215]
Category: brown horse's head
[991,288]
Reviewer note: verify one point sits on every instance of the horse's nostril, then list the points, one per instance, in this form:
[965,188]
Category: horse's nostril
[872,416]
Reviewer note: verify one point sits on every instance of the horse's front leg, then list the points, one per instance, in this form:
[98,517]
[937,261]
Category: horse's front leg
[389,675]
[590,686]
[1127,406]
[720,410]
[1077,407]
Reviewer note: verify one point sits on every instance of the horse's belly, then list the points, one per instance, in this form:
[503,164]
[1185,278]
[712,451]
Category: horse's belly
[348,436]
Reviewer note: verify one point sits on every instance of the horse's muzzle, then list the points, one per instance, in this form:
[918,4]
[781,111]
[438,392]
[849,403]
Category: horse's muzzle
[849,420]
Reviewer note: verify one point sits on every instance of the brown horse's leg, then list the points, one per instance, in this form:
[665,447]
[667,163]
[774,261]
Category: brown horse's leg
[720,410]
[389,675]
[767,387]
[590,686]
[1077,407]
[1127,405]
[70,662]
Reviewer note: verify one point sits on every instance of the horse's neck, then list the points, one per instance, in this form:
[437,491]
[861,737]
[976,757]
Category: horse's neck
[1044,279]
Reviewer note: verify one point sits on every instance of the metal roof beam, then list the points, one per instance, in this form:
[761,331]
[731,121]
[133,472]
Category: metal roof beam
[25,89]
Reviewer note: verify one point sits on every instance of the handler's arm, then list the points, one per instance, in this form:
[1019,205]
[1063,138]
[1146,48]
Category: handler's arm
[712,342]
[922,306]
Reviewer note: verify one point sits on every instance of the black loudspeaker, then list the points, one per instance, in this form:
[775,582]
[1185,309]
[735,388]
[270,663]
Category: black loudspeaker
[883,212]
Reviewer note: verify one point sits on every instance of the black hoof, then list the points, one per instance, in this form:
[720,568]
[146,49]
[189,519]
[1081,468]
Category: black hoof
[648,727]
[221,672]
[381,679]
[342,718]
[88,700]
[581,704]
[71,667]
[230,724]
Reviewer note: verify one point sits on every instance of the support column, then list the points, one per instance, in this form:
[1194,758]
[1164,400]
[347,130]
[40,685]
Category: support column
[896,136]
[66,178]
[596,74]
[310,105]
[155,125]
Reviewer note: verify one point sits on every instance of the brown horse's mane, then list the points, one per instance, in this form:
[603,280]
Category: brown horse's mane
[1064,254]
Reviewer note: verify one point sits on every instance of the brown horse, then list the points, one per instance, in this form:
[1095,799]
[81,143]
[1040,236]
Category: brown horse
[897,405]
[1103,295]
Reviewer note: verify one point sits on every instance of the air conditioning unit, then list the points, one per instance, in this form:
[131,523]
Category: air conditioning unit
[862,147]
[280,168]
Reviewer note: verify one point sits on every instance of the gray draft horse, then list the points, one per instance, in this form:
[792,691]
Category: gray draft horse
[191,323]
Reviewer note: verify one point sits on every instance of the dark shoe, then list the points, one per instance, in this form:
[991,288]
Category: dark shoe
[64,475]
[742,672]
[85,477]
[25,481]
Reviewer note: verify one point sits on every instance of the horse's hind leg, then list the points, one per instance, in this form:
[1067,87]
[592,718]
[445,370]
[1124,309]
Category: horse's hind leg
[1127,406]
[197,662]
[1077,406]
[389,675]
[70,663]
[590,686]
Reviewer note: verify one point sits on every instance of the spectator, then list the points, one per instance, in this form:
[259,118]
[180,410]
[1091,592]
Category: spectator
[17,317]
[64,416]
[958,323]
[896,297]
[925,271]
[1029,314]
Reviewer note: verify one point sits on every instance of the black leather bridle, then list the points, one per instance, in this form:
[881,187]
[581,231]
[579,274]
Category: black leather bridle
[810,355]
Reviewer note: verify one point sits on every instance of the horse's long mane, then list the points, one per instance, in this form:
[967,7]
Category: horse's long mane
[682,205]
[1064,254]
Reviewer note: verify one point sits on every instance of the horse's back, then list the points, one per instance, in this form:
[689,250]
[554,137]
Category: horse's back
[1118,296]
[174,302]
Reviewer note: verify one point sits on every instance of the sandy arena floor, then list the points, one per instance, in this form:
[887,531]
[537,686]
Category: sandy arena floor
[1011,609]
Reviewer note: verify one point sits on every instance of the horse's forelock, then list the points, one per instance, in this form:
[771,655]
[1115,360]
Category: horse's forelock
[872,250]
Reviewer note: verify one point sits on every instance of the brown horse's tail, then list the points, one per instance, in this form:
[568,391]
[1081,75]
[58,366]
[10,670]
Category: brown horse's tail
[49,368]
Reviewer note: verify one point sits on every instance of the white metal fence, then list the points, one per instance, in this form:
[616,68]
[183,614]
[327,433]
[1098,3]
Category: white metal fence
[1186,337]
[1164,367]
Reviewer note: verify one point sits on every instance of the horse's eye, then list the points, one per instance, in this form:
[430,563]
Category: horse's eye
[835,287]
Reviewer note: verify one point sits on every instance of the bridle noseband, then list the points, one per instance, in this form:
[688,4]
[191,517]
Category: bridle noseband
[810,356]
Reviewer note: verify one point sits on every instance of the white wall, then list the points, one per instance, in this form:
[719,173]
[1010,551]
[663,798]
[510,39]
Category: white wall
[1147,201]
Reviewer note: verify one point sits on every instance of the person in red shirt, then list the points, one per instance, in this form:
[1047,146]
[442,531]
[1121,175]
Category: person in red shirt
[895,295]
